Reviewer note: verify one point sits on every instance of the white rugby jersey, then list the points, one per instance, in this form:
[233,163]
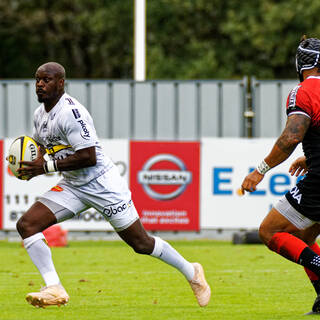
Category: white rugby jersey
[66,128]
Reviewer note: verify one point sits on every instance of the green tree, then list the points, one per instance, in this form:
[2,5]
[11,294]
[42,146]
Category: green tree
[186,39]
[227,39]
[93,39]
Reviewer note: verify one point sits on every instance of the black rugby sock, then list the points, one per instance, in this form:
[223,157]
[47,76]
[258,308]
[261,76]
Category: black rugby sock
[310,260]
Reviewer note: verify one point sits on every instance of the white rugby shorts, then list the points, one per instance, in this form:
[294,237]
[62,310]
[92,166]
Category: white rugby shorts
[108,194]
[289,212]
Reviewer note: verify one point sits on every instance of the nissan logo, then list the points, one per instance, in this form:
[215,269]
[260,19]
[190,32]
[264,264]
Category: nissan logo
[148,177]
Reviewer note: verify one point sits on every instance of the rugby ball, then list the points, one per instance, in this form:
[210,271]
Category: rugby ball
[23,148]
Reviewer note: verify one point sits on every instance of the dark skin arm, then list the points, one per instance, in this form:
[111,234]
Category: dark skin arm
[294,132]
[80,159]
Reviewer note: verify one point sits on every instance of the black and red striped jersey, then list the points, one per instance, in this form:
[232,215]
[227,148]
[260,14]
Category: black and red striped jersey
[305,99]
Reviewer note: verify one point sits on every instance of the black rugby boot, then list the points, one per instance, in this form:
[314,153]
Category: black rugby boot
[315,307]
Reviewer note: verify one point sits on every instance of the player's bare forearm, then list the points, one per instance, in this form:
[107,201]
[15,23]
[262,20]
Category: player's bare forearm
[278,155]
[294,132]
[81,159]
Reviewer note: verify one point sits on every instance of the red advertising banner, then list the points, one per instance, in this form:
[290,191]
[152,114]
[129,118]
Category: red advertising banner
[164,180]
[1,183]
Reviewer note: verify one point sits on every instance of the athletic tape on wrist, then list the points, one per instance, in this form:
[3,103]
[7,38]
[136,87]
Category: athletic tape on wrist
[45,167]
[50,166]
[263,167]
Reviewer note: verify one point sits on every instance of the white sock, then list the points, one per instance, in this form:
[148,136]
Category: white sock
[40,255]
[163,251]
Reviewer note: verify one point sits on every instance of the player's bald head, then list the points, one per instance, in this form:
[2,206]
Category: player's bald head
[54,68]
[50,79]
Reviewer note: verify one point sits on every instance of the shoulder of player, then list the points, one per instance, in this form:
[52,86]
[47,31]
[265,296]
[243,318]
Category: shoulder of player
[71,101]
[72,107]
[301,90]
[310,83]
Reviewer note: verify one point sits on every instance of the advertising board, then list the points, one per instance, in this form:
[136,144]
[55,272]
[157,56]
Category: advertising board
[224,164]
[174,187]
[1,182]
[19,195]
[164,179]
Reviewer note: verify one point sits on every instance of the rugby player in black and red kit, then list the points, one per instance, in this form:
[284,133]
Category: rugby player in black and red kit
[293,224]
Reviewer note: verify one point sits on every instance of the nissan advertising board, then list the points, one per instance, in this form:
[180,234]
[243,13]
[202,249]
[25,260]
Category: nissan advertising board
[164,179]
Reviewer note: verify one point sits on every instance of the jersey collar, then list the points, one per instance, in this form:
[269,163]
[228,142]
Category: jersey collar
[57,106]
[313,77]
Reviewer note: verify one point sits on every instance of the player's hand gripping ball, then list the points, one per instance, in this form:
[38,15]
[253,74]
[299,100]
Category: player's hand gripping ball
[23,148]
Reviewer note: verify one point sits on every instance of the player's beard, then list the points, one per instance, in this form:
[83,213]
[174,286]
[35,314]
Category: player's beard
[47,98]
[41,99]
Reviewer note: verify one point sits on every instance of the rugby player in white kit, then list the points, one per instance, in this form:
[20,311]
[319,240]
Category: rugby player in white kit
[65,131]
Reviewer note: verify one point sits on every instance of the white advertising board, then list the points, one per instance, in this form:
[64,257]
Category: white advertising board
[19,195]
[224,164]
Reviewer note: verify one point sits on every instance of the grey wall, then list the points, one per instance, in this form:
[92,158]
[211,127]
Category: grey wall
[269,100]
[157,110]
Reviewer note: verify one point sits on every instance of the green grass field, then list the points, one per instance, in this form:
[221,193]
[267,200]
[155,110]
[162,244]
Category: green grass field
[107,280]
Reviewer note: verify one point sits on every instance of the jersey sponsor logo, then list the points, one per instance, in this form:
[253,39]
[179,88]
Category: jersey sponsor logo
[165,176]
[85,134]
[57,189]
[293,96]
[76,113]
[116,208]
[70,101]
[88,215]
[53,139]
[296,195]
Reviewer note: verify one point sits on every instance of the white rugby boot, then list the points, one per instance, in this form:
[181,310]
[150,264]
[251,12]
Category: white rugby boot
[48,296]
[200,286]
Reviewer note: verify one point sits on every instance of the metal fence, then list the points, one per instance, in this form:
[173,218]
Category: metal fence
[269,100]
[159,110]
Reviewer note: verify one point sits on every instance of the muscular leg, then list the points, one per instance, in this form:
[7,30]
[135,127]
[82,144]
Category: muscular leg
[137,238]
[299,246]
[273,223]
[309,236]
[36,219]
[278,234]
[30,227]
